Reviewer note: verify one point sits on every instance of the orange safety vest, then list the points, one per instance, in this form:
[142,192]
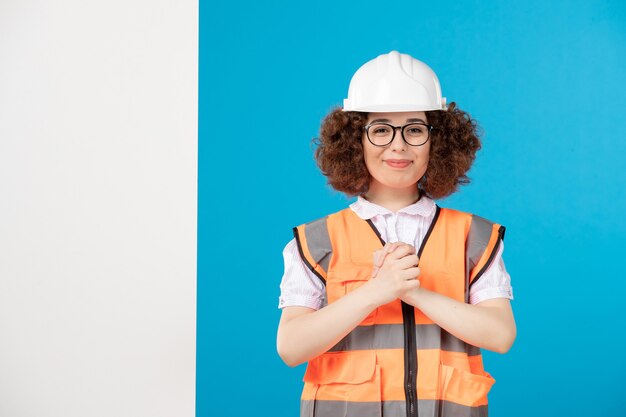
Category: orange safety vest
[397,362]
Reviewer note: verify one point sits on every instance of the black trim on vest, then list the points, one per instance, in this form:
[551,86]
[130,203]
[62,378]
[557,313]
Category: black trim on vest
[369,221]
[430,230]
[480,273]
[306,261]
[410,359]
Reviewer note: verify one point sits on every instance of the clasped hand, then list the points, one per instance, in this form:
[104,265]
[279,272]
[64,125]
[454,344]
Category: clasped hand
[395,273]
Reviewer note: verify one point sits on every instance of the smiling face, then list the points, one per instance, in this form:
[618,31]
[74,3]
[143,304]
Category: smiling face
[397,165]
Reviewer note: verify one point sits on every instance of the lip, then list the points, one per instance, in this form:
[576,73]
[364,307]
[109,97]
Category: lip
[398,163]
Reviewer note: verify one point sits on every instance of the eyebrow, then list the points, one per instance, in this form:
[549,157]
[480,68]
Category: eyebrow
[389,121]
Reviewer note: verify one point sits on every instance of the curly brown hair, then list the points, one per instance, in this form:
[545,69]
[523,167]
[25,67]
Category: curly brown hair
[454,143]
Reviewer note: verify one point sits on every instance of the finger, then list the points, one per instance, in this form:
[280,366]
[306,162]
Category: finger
[412,284]
[377,263]
[381,254]
[395,245]
[376,256]
[412,249]
[403,244]
[410,273]
[402,250]
[379,258]
[407,261]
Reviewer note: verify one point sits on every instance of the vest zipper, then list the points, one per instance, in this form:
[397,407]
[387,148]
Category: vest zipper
[410,337]
[410,360]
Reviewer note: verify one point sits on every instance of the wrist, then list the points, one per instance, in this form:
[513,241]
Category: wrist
[369,295]
[415,297]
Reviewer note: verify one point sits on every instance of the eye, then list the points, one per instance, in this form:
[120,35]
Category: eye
[380,130]
[416,130]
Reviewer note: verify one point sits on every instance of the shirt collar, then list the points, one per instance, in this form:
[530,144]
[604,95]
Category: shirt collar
[366,209]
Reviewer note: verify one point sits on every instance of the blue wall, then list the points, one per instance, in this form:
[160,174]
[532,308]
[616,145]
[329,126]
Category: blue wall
[546,83]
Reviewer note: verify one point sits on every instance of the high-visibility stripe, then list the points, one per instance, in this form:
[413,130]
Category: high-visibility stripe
[477,239]
[319,242]
[490,253]
[391,336]
[315,408]
[306,256]
[476,244]
[314,246]
[482,243]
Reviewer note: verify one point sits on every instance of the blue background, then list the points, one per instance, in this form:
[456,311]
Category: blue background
[546,83]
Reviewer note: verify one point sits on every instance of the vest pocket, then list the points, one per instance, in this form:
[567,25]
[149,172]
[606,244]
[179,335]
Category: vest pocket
[346,384]
[341,282]
[463,387]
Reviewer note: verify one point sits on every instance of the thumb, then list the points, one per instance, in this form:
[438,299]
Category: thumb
[376,256]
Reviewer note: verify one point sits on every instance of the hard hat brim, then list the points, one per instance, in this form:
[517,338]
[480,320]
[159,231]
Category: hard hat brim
[393,108]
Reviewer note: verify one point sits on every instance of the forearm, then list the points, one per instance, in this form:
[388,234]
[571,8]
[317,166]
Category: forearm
[309,335]
[482,326]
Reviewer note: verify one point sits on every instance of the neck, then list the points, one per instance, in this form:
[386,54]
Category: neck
[392,199]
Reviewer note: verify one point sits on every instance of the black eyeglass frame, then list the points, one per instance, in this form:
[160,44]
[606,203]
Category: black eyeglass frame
[394,128]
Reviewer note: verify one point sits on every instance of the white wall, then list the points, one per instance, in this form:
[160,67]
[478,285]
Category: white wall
[98,178]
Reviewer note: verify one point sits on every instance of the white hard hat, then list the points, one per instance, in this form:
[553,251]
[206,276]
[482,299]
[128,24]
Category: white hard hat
[394,82]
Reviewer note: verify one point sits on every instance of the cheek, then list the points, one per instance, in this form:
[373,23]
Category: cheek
[426,159]
[423,155]
[370,155]
[421,162]
[372,161]
[369,163]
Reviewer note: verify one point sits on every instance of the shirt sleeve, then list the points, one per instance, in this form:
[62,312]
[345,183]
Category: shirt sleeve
[494,283]
[299,286]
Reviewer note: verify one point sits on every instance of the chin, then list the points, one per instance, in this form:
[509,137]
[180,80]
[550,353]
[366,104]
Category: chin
[401,186]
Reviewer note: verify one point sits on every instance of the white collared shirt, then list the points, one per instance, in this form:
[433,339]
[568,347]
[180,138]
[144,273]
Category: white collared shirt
[300,287]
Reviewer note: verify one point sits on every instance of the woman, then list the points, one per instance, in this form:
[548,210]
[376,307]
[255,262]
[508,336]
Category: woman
[391,299]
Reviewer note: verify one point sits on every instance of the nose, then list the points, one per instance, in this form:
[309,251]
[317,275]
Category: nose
[398,142]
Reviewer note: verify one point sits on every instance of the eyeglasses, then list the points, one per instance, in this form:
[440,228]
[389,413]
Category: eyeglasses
[382,134]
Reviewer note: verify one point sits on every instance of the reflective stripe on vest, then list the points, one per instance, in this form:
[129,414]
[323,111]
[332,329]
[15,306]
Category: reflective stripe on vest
[391,336]
[397,361]
[314,246]
[482,235]
[388,408]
